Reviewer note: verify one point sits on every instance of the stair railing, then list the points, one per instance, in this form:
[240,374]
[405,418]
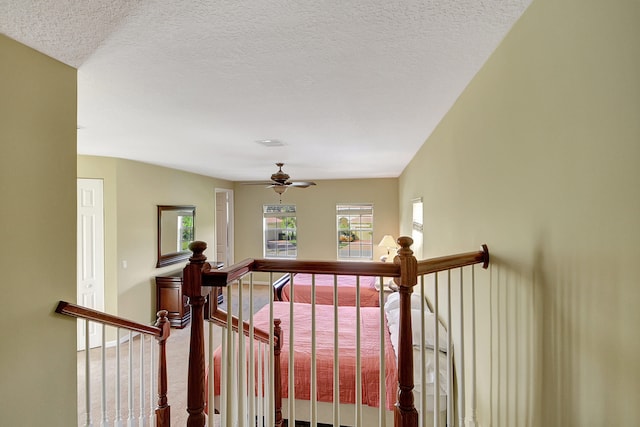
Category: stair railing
[160,331]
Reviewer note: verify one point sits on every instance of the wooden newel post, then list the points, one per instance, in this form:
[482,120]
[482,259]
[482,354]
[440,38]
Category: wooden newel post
[405,414]
[163,410]
[192,288]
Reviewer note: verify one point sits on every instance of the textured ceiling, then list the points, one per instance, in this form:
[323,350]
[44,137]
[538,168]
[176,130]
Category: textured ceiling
[351,88]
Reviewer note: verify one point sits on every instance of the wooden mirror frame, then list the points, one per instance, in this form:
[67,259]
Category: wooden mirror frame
[169,258]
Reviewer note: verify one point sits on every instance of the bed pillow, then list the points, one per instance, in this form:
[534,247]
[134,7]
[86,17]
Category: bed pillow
[393,317]
[388,286]
[429,335]
[393,302]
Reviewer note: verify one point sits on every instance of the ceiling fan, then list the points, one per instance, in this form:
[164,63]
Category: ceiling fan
[280,181]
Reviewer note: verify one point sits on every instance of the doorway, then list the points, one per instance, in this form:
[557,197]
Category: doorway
[90,255]
[224,226]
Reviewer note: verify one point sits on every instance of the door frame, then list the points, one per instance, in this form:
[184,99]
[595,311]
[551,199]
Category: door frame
[228,226]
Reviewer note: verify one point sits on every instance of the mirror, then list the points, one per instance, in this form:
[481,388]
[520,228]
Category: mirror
[176,229]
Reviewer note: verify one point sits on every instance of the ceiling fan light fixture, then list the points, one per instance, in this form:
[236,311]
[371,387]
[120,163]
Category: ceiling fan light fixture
[280,189]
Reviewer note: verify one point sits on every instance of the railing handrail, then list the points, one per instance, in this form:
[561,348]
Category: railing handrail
[108,319]
[434,265]
[219,317]
[160,331]
[227,275]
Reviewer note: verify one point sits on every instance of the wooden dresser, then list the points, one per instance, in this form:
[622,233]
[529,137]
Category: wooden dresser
[169,296]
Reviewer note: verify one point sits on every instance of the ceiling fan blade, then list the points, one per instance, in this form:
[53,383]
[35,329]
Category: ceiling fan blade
[257,183]
[301,184]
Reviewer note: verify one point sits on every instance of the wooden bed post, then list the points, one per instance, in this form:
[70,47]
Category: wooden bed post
[192,288]
[405,413]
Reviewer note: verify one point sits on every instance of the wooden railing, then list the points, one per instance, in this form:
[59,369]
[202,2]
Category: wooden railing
[198,278]
[160,331]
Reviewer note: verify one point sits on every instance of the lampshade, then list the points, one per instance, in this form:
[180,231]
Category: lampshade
[388,242]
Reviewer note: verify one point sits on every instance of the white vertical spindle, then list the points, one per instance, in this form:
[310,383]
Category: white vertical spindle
[242,366]
[449,399]
[87,374]
[423,357]
[211,376]
[229,361]
[260,393]
[223,374]
[271,360]
[358,357]
[383,391]
[472,376]
[103,374]
[118,417]
[461,382]
[251,392]
[142,415]
[292,384]
[436,356]
[153,383]
[312,392]
[336,356]
[131,420]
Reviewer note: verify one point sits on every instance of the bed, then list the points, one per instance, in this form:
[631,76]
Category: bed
[324,286]
[370,362]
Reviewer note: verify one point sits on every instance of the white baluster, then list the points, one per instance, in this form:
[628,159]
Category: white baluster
[450,414]
[251,395]
[242,365]
[383,391]
[436,356]
[314,380]
[131,420]
[472,376]
[118,418]
[87,373]
[358,357]
[153,383]
[336,356]
[211,377]
[103,373]
[292,384]
[142,415]
[461,382]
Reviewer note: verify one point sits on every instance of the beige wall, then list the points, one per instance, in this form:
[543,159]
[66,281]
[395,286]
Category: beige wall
[38,235]
[132,192]
[316,214]
[539,159]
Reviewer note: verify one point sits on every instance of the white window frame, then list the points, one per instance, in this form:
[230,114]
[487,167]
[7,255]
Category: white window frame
[363,236]
[279,242]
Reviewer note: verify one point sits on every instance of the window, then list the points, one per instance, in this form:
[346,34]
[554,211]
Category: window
[185,232]
[280,232]
[355,231]
[416,228]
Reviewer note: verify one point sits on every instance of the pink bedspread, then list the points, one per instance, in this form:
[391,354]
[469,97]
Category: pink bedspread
[369,296]
[369,350]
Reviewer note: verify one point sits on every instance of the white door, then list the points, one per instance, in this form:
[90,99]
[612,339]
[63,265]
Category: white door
[90,255]
[224,226]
